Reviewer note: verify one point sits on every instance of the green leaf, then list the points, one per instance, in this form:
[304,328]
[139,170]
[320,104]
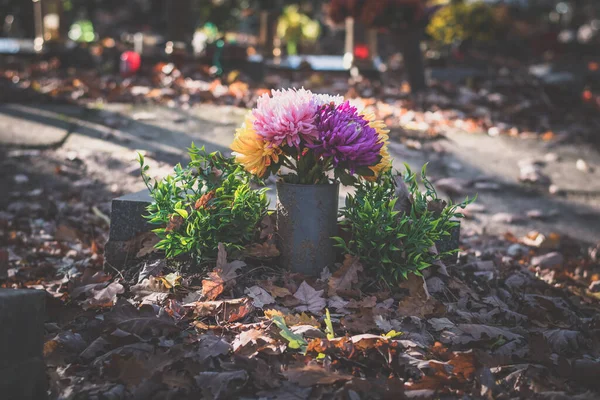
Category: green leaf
[182,212]
[295,341]
[392,334]
[328,325]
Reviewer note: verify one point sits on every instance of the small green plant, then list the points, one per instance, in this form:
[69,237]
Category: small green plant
[391,242]
[206,203]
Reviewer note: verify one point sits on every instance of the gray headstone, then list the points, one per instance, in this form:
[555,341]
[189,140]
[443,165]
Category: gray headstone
[22,370]
[126,223]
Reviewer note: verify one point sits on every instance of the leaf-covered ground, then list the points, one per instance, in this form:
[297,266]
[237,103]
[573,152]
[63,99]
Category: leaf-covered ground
[512,318]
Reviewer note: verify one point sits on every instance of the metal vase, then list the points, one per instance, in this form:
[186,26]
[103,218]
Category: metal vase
[306,221]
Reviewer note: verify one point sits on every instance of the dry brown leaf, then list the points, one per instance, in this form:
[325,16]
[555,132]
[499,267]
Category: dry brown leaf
[343,278]
[147,246]
[294,319]
[175,222]
[264,250]
[361,322]
[225,310]
[312,375]
[276,291]
[419,302]
[223,275]
[367,302]
[105,297]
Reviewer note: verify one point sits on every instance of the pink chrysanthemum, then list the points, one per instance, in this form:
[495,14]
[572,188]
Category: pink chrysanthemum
[286,117]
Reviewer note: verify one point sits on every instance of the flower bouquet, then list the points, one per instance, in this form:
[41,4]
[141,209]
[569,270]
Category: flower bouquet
[314,142]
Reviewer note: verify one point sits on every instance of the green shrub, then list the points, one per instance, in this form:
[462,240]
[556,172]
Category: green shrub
[207,203]
[393,243]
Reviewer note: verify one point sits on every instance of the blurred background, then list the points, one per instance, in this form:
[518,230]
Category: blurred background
[502,98]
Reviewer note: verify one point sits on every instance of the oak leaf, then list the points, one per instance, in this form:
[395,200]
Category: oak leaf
[343,278]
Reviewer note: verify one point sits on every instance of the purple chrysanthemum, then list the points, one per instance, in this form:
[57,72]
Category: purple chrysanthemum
[346,137]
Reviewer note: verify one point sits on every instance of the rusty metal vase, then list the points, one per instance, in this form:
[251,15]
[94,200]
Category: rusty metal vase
[306,221]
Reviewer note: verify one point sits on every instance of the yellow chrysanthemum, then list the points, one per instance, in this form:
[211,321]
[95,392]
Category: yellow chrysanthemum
[251,150]
[383,132]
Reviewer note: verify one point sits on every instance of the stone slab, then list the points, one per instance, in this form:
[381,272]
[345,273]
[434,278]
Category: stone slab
[24,381]
[126,223]
[22,371]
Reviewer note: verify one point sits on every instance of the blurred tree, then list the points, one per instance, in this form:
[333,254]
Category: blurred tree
[402,18]
[461,21]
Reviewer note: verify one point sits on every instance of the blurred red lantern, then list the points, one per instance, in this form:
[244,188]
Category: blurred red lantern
[361,51]
[130,63]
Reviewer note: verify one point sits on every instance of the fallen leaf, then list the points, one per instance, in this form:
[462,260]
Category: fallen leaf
[564,341]
[171,280]
[382,323]
[312,375]
[367,302]
[105,297]
[209,346]
[221,385]
[276,291]
[230,310]
[150,291]
[294,319]
[311,299]
[360,322]
[439,324]
[89,280]
[264,250]
[153,268]
[223,275]
[343,278]
[419,302]
[259,296]
[466,333]
[142,321]
[252,341]
[147,246]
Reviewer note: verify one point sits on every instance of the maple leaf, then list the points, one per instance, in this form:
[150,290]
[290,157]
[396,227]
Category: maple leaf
[343,278]
[311,299]
[259,296]
[224,274]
